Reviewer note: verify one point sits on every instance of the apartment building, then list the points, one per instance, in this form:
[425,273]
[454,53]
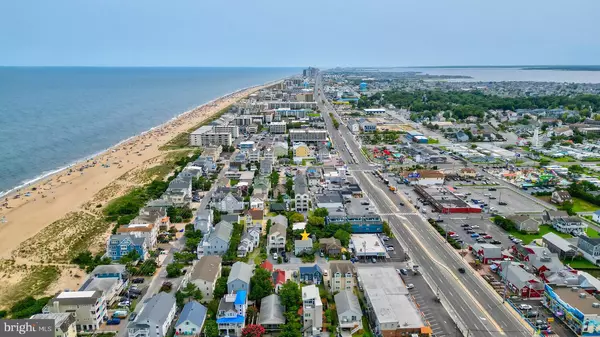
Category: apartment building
[89,308]
[342,276]
[308,135]
[301,196]
[278,127]
[234,130]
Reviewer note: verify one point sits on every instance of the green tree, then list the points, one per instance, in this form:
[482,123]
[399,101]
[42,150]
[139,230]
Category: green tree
[148,267]
[220,287]
[322,212]
[132,256]
[290,295]
[211,329]
[261,284]
[316,221]
[174,270]
[343,236]
[294,217]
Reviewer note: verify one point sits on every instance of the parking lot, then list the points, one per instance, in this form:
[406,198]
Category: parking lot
[538,313]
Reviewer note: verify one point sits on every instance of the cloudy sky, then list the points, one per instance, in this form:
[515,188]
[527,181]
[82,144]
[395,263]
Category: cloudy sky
[323,33]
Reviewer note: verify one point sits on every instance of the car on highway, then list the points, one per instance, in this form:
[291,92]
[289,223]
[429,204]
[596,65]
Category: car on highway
[474,235]
[524,306]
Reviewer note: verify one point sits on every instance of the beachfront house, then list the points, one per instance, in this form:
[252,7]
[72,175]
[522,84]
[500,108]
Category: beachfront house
[179,191]
[89,308]
[119,245]
[144,229]
[110,279]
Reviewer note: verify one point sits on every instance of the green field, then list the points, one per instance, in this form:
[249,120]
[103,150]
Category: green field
[592,233]
[544,229]
[580,263]
[563,159]
[583,206]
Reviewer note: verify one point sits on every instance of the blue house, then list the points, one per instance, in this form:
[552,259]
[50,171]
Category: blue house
[312,274]
[118,271]
[191,320]
[119,245]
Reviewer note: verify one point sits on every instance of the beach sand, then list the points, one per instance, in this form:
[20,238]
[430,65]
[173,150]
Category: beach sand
[65,193]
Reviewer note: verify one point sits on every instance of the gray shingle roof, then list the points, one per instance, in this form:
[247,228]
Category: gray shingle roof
[223,231]
[346,301]
[109,269]
[240,271]
[207,268]
[193,312]
[271,311]
[155,312]
[300,184]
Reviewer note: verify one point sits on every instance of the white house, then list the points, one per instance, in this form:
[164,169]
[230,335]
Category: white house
[145,230]
[276,238]
[205,274]
[155,318]
[89,307]
[348,310]
[312,310]
[257,203]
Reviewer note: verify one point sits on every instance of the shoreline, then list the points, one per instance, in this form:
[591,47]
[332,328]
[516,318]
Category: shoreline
[95,179]
[25,184]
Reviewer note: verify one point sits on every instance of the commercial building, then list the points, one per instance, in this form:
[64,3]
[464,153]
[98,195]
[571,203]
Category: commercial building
[578,309]
[424,177]
[155,318]
[312,310]
[358,212]
[247,145]
[373,111]
[89,308]
[278,127]
[296,113]
[367,246]
[393,313]
[308,135]
[444,200]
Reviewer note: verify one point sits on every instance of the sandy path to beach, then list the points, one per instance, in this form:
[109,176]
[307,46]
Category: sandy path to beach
[62,193]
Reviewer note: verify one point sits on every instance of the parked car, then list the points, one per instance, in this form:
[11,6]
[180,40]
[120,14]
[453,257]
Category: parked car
[401,203]
[482,233]
[474,235]
[495,242]
[404,271]
[389,249]
[530,313]
[502,203]
[470,231]
[124,304]
[410,286]
[464,225]
[487,236]
[480,240]
[113,321]
[138,280]
[132,316]
[524,306]
[475,226]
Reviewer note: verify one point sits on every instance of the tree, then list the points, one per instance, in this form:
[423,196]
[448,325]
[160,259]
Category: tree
[253,330]
[321,212]
[132,256]
[293,327]
[261,284]
[211,329]
[294,217]
[316,221]
[290,295]
[220,287]
[148,268]
[576,169]
[174,270]
[343,236]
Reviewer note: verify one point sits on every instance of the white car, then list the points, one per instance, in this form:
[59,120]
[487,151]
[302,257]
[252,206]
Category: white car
[124,304]
[525,307]
[410,286]
[475,226]
[389,248]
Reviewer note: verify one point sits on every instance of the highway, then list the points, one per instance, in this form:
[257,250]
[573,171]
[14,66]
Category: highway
[477,307]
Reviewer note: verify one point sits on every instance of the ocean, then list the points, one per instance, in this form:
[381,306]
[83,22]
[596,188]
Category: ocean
[53,117]
[500,74]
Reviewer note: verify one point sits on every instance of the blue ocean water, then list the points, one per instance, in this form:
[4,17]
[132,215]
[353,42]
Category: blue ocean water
[52,117]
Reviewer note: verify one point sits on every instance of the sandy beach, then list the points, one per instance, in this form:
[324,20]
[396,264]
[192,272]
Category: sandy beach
[74,189]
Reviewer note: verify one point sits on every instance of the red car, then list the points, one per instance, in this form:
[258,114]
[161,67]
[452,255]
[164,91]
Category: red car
[451,233]
[487,237]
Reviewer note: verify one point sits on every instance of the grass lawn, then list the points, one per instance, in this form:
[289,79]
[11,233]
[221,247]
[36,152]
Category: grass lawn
[580,263]
[592,233]
[583,206]
[544,229]
[563,159]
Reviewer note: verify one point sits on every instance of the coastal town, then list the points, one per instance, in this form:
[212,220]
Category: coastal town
[345,203]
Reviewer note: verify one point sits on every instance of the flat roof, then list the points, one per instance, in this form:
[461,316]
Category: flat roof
[582,304]
[76,294]
[355,207]
[370,242]
[388,296]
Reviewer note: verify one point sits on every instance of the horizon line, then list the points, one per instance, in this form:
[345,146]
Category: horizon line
[306,66]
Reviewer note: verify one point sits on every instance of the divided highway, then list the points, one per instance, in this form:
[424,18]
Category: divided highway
[477,306]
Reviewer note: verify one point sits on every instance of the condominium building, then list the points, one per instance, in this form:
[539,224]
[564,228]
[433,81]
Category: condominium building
[278,127]
[342,276]
[234,130]
[308,135]
[312,310]
[89,308]
[290,105]
[301,196]
[214,138]
[196,135]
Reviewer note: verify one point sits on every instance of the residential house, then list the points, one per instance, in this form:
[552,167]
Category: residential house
[312,311]
[560,197]
[342,276]
[257,203]
[520,281]
[179,191]
[303,246]
[349,312]
[109,279]
[564,223]
[590,248]
[231,314]
[155,318]
[279,279]
[276,238]
[266,265]
[245,246]
[254,233]
[217,242]
[89,308]
[266,166]
[300,150]
[231,218]
[277,207]
[205,274]
[486,252]
[330,246]
[563,248]
[64,323]
[525,223]
[254,217]
[271,313]
[461,136]
[239,277]
[254,155]
[229,203]
[280,219]
[119,245]
[302,197]
[311,274]
[204,221]
[147,230]
[153,214]
[191,319]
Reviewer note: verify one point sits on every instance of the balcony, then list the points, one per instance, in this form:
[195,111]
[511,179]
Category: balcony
[348,325]
[136,332]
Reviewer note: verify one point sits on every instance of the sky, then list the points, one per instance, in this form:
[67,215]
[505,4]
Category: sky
[323,33]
